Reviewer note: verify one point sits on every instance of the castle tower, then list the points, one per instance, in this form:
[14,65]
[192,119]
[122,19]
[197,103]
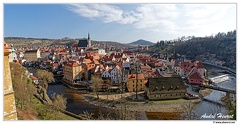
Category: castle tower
[89,41]
[10,112]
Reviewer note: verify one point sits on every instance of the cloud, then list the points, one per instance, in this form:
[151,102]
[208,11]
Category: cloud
[207,18]
[158,17]
[106,13]
[168,18]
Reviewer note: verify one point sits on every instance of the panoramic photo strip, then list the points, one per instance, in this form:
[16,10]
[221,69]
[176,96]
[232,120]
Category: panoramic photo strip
[120,62]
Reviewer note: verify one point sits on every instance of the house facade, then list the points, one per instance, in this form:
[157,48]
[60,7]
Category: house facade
[195,79]
[116,75]
[32,55]
[72,71]
[106,74]
[135,83]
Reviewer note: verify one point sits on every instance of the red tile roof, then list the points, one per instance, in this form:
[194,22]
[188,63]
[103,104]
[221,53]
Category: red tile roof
[71,64]
[198,64]
[133,76]
[87,61]
[33,77]
[195,75]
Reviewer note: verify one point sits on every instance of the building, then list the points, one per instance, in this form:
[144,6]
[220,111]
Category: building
[32,55]
[135,83]
[72,71]
[145,68]
[165,88]
[106,74]
[101,52]
[34,79]
[195,79]
[12,56]
[201,70]
[10,112]
[116,75]
[85,43]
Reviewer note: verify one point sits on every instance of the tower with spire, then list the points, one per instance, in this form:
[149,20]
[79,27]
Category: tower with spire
[89,41]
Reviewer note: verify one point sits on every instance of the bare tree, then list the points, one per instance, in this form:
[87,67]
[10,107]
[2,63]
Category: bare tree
[108,86]
[189,111]
[87,115]
[86,75]
[59,101]
[96,83]
[46,77]
[114,114]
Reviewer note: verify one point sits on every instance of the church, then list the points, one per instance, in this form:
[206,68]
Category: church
[85,43]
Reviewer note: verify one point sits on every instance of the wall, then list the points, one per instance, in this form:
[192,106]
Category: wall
[10,112]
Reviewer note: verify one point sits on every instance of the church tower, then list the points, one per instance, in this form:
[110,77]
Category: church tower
[89,41]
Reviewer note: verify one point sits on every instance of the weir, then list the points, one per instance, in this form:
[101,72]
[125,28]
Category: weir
[220,78]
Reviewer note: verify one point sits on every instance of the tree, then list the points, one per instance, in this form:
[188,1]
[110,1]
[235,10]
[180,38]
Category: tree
[46,77]
[59,101]
[86,75]
[115,114]
[161,43]
[189,111]
[158,44]
[108,82]
[22,86]
[96,83]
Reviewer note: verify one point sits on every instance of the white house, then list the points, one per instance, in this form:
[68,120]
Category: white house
[101,52]
[177,70]
[106,74]
[126,64]
[116,75]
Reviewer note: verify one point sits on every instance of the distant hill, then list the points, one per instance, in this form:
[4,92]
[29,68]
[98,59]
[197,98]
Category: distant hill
[142,42]
[21,41]
[111,43]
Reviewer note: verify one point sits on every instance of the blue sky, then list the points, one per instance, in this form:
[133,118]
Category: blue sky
[118,22]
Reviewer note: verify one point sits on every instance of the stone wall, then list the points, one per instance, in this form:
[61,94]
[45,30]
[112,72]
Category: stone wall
[10,112]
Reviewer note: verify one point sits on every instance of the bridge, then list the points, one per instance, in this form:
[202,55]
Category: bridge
[228,91]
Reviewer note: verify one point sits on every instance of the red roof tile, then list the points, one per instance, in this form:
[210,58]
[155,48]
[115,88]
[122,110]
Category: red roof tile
[195,75]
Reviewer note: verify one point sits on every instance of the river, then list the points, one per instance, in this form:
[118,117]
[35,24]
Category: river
[211,108]
[77,104]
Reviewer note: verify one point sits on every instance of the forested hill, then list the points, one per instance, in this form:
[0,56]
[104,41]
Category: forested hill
[222,46]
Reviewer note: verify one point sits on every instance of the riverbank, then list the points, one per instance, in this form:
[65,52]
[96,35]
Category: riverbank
[151,106]
[205,92]
[222,67]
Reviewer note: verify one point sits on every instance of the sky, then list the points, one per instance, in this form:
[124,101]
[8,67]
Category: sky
[123,23]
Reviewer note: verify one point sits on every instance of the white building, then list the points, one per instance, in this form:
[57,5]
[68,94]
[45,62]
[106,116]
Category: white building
[106,74]
[101,52]
[116,75]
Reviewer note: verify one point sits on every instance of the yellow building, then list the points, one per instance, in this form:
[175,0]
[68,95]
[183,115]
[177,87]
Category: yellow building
[132,82]
[10,112]
[32,55]
[72,71]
